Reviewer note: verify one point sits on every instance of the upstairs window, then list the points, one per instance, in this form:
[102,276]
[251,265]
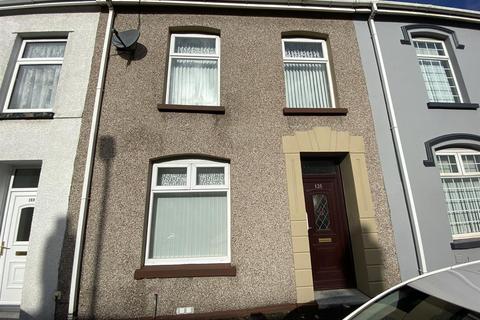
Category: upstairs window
[189,219]
[35,77]
[194,70]
[437,71]
[307,74]
[460,175]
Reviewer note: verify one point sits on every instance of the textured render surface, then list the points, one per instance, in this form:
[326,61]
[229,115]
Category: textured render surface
[132,131]
[53,143]
[418,124]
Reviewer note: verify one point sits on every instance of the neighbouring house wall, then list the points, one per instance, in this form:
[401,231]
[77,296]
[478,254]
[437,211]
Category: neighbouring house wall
[51,143]
[418,124]
[132,131]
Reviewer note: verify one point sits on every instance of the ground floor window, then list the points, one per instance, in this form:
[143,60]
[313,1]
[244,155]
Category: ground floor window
[460,175]
[189,214]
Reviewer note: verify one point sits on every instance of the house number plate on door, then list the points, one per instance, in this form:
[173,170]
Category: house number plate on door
[318,186]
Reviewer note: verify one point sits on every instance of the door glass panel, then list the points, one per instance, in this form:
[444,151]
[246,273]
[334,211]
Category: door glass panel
[315,166]
[25,224]
[26,178]
[320,212]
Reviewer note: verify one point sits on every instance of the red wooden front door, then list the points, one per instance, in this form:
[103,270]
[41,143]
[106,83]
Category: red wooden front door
[330,248]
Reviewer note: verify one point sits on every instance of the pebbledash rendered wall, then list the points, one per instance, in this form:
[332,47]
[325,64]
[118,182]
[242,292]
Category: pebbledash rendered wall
[51,144]
[418,124]
[132,131]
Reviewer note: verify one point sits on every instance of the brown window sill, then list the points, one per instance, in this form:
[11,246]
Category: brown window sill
[26,115]
[186,271]
[452,106]
[461,244]
[315,111]
[191,109]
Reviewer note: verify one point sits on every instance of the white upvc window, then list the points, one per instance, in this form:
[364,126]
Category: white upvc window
[35,77]
[308,80]
[189,213]
[460,175]
[437,71]
[194,70]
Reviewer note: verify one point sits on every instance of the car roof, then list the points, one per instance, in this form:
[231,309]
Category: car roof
[459,285]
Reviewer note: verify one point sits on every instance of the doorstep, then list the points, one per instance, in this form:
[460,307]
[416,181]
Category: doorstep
[8,312]
[339,297]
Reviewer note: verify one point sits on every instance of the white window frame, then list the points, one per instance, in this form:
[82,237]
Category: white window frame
[324,60]
[29,61]
[191,165]
[444,58]
[173,55]
[457,153]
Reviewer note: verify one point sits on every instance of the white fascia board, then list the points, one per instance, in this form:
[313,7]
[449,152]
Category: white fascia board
[429,8]
[26,4]
[341,6]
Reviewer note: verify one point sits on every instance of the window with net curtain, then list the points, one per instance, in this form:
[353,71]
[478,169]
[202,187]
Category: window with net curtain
[194,70]
[460,175]
[307,74]
[35,77]
[189,219]
[437,71]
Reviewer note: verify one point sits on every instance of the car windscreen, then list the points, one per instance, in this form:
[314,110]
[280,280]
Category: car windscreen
[407,303]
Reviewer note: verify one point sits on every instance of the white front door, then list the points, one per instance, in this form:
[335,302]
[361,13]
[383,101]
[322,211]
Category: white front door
[15,237]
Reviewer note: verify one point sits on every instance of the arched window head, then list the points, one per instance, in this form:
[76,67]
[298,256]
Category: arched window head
[460,175]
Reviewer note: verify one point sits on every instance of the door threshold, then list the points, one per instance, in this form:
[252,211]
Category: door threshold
[339,297]
[8,312]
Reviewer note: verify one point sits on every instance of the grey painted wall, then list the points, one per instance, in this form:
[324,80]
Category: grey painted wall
[52,143]
[418,124]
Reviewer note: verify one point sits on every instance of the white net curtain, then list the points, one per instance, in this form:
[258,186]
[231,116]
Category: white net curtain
[461,185]
[463,200]
[194,72]
[436,71]
[36,84]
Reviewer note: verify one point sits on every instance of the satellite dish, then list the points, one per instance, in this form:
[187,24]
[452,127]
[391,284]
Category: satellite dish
[125,40]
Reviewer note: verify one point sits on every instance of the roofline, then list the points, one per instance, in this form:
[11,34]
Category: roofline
[53,4]
[333,6]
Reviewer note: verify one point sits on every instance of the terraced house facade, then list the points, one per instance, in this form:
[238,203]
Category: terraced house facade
[162,158]
[236,164]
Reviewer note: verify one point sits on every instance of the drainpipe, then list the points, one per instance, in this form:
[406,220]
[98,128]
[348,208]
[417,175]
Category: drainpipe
[397,142]
[87,178]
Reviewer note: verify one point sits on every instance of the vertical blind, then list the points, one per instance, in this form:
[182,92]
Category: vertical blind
[189,225]
[307,85]
[436,71]
[36,84]
[193,71]
[306,78]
